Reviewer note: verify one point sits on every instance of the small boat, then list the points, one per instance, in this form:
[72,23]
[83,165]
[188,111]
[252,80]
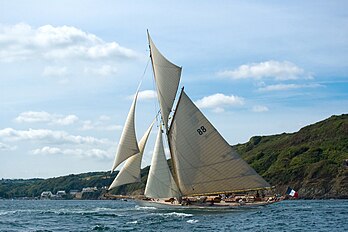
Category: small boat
[206,170]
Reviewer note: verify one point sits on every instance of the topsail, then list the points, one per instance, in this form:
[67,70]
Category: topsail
[167,77]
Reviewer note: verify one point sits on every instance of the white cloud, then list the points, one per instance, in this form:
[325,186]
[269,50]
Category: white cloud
[218,110]
[145,95]
[218,101]
[112,127]
[260,108]
[99,125]
[104,118]
[87,125]
[269,69]
[94,153]
[280,87]
[21,41]
[47,150]
[42,116]
[102,124]
[58,119]
[105,70]
[54,71]
[48,136]
[6,147]
[67,120]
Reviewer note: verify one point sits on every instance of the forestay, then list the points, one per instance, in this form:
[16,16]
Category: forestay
[167,77]
[160,182]
[130,172]
[204,162]
[128,145]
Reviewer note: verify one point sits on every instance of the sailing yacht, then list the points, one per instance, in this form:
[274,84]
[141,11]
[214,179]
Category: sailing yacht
[206,170]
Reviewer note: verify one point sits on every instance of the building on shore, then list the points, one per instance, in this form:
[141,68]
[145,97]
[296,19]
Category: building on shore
[61,193]
[89,189]
[46,195]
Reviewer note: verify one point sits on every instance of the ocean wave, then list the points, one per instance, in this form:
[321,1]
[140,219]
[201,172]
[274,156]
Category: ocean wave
[18,211]
[97,212]
[104,209]
[118,216]
[137,207]
[100,228]
[175,214]
[4,213]
[133,222]
[180,214]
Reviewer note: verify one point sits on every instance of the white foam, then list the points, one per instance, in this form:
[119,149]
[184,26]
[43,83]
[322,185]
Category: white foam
[192,221]
[175,214]
[3,213]
[144,207]
[100,209]
[133,222]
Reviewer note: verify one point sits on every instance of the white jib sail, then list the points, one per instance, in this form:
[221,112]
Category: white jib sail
[160,182]
[130,172]
[204,162]
[128,145]
[167,77]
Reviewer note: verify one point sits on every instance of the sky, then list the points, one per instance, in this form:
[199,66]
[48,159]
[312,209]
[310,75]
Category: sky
[69,70]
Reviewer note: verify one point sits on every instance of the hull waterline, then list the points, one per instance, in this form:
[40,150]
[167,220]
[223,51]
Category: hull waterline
[217,206]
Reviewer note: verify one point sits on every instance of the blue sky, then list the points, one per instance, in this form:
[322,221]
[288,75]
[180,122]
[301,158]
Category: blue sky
[69,69]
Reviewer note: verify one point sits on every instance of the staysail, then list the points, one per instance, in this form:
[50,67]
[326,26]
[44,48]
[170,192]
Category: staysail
[128,145]
[160,182]
[204,162]
[130,172]
[167,77]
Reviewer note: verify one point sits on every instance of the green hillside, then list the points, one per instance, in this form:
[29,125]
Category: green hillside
[34,187]
[311,161]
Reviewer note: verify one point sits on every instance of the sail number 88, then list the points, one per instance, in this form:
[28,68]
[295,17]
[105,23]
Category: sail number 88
[201,130]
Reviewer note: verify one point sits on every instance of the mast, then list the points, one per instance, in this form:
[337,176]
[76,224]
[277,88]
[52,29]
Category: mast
[175,176]
[167,76]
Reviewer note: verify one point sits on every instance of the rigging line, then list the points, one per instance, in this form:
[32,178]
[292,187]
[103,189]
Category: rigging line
[156,104]
[147,64]
[142,76]
[154,87]
[156,119]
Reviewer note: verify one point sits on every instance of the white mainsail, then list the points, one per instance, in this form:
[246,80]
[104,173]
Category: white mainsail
[204,162]
[130,172]
[167,77]
[128,145]
[160,182]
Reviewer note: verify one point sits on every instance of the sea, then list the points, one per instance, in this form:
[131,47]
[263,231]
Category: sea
[118,215]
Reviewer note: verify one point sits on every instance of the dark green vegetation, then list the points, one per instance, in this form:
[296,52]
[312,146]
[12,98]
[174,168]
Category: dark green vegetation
[34,187]
[310,161]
